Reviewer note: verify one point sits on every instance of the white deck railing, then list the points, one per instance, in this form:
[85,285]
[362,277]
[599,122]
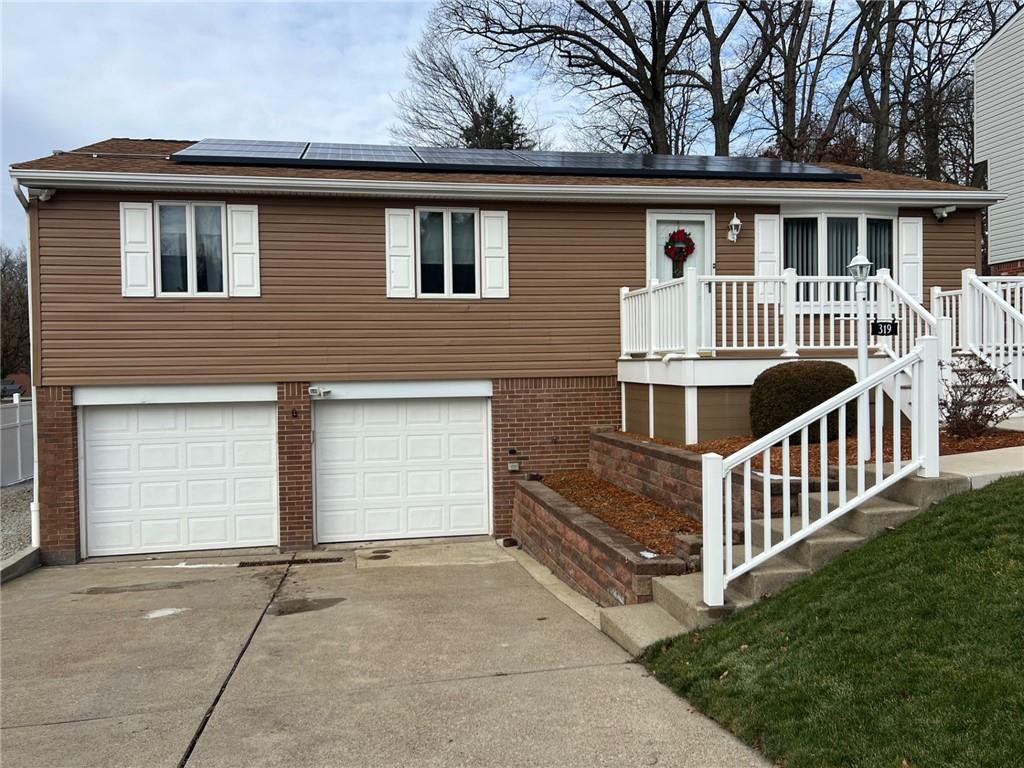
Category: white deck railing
[698,315]
[987,314]
[732,485]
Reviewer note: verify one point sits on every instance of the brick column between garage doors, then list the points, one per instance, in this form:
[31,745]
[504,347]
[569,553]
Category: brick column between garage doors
[547,421]
[59,526]
[295,466]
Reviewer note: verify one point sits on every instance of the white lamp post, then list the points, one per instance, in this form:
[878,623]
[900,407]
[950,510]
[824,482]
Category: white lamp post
[859,270]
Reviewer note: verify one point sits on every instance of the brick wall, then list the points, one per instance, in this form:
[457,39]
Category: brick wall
[547,421]
[1007,268]
[295,465]
[587,554]
[59,528]
[671,476]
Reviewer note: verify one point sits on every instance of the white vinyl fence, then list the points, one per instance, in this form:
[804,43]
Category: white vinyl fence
[15,442]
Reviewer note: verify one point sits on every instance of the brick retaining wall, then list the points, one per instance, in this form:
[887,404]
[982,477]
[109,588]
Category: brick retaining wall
[589,555]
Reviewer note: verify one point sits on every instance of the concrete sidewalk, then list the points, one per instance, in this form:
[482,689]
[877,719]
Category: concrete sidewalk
[421,656]
[985,467]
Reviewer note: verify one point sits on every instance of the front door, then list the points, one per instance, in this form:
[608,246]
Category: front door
[661,225]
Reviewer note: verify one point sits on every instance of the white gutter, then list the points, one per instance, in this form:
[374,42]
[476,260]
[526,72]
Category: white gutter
[612,192]
[34,505]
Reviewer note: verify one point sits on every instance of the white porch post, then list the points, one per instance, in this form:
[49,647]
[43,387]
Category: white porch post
[623,322]
[884,298]
[652,318]
[692,309]
[968,333]
[944,330]
[789,313]
[863,422]
[712,561]
[929,412]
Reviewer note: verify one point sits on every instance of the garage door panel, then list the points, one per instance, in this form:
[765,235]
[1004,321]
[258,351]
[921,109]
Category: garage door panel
[163,478]
[394,469]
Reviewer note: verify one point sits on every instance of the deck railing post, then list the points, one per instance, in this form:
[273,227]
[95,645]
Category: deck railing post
[714,543]
[789,348]
[652,318]
[929,411]
[624,321]
[968,333]
[884,309]
[692,309]
[944,331]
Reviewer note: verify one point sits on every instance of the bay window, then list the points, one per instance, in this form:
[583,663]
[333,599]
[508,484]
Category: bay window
[191,249]
[823,244]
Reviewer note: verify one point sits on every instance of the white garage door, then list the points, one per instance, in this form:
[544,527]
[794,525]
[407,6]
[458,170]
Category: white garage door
[390,469]
[162,478]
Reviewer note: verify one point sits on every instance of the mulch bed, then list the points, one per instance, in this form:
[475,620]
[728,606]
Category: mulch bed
[653,525]
[948,445]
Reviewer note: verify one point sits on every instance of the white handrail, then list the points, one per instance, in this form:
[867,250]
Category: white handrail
[996,333]
[719,566]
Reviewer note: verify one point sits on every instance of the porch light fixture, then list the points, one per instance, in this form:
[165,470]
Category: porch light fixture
[860,267]
[734,228]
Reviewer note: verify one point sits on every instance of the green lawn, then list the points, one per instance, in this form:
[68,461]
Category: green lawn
[906,652]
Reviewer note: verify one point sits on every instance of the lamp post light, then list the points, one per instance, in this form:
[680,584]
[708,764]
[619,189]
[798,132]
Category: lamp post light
[859,269]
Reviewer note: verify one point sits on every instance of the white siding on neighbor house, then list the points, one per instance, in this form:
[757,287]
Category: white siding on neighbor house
[999,135]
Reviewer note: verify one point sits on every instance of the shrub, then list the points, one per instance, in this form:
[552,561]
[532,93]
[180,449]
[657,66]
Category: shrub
[786,391]
[975,397]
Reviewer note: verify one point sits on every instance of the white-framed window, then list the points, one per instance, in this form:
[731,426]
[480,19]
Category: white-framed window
[448,252]
[191,249]
[823,244]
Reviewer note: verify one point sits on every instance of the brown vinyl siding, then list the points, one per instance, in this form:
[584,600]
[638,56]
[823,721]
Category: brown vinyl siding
[669,413]
[323,313]
[722,412]
[950,247]
[637,414]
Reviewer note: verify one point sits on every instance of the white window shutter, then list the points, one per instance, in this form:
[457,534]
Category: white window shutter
[137,249]
[243,250]
[911,256]
[400,246]
[494,254]
[767,254]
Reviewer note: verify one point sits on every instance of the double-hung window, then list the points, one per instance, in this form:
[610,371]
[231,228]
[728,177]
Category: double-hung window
[448,252]
[191,249]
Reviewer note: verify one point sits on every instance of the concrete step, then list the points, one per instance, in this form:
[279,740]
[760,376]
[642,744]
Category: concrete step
[920,492]
[872,517]
[767,579]
[635,627]
[682,597]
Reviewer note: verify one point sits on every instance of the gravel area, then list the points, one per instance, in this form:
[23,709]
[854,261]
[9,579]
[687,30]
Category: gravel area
[15,518]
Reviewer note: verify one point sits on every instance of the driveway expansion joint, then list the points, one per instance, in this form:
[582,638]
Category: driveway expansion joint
[238,660]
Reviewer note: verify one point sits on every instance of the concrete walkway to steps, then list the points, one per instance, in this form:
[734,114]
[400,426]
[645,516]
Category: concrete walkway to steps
[985,467]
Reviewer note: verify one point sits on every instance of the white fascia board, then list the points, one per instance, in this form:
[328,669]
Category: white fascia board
[716,372]
[623,193]
[402,390]
[132,394]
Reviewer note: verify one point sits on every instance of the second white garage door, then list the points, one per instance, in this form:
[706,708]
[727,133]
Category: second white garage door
[392,469]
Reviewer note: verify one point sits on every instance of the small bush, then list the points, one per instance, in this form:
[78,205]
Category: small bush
[786,391]
[975,397]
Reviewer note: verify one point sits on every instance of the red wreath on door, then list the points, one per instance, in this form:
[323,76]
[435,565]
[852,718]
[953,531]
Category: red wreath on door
[679,247]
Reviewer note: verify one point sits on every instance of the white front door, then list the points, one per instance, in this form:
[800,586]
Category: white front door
[660,225]
[395,469]
[163,478]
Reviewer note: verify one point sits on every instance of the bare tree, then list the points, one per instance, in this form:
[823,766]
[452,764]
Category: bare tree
[456,100]
[15,349]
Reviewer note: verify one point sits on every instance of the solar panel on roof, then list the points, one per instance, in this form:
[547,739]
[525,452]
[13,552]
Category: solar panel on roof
[224,148]
[485,157]
[360,153]
[337,155]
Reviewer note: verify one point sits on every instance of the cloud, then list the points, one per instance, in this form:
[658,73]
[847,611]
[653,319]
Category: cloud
[74,73]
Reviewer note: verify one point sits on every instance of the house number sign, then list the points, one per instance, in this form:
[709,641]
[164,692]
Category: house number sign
[885,328]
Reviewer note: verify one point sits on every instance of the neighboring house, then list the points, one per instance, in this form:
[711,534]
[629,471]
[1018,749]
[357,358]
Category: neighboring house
[282,344]
[999,141]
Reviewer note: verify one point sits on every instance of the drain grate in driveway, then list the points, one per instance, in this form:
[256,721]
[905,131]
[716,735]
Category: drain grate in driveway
[294,561]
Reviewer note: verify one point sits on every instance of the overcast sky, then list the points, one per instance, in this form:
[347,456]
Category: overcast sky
[78,72]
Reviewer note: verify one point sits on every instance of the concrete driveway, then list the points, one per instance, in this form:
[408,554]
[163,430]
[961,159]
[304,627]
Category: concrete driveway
[435,655]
